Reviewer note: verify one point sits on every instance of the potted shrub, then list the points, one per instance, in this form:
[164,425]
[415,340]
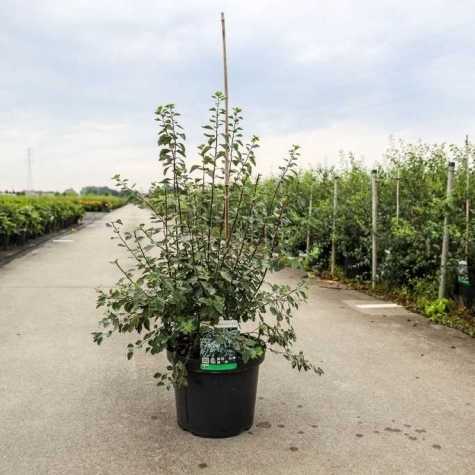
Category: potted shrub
[197,290]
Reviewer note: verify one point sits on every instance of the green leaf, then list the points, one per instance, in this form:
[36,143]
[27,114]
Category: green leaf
[226,276]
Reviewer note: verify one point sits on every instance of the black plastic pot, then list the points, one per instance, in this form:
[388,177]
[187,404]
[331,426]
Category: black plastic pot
[353,268]
[466,295]
[218,403]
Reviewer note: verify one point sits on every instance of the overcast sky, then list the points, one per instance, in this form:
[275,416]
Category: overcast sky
[80,80]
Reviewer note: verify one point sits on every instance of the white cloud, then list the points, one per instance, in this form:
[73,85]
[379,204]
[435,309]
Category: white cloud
[79,80]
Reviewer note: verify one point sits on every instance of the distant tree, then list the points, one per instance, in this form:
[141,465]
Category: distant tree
[70,191]
[99,190]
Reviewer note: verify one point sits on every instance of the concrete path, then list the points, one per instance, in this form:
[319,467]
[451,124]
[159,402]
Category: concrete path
[398,395]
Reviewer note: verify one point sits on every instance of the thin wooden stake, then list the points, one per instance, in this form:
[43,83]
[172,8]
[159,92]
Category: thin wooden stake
[374,227]
[226,133]
[445,238]
[335,204]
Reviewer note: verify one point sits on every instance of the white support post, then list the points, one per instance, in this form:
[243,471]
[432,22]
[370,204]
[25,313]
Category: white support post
[374,227]
[310,204]
[335,204]
[398,180]
[467,198]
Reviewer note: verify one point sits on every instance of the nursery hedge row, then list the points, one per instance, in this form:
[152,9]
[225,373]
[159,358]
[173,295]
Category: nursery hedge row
[99,203]
[28,217]
[409,248]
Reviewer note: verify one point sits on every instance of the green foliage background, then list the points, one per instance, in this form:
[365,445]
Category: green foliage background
[408,249]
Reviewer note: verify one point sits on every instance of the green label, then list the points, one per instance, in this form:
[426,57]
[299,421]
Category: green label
[218,367]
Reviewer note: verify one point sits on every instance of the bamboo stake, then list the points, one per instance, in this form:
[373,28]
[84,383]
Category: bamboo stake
[226,133]
[374,227]
[445,238]
[467,199]
[335,204]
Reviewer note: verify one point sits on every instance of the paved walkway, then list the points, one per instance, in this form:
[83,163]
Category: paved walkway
[398,395]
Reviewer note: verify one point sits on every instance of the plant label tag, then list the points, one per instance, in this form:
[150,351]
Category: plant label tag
[217,347]
[227,323]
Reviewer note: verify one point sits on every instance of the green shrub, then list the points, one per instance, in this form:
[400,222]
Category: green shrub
[28,217]
[195,265]
[98,203]
[437,310]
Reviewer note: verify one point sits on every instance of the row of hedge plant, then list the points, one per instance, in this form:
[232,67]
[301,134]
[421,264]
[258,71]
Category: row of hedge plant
[101,203]
[27,217]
